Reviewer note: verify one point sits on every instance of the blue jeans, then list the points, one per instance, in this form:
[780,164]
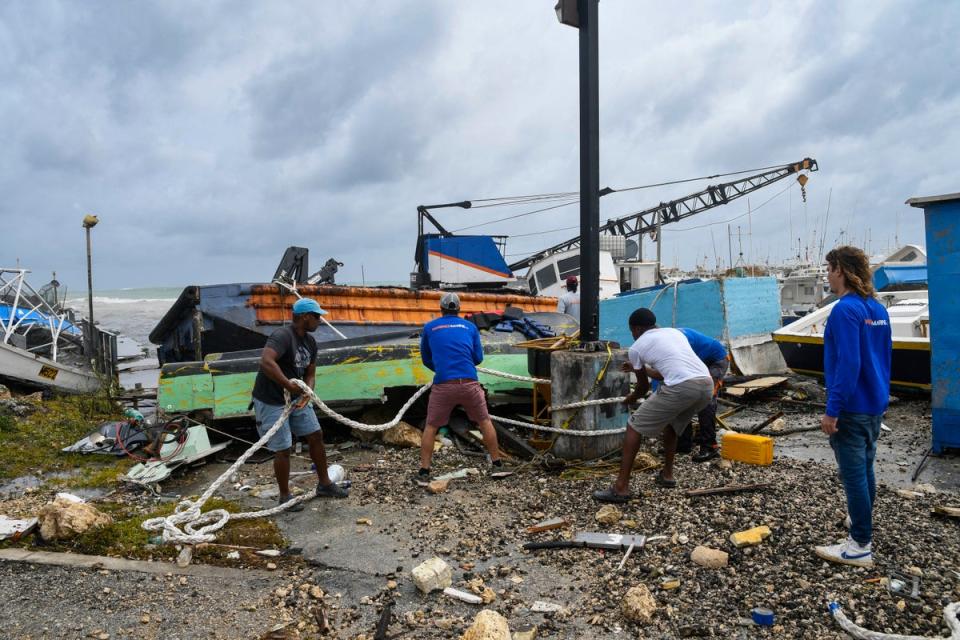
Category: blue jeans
[855,447]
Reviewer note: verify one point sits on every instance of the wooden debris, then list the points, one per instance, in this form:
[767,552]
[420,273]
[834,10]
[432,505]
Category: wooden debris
[549,525]
[768,421]
[752,386]
[730,488]
[949,512]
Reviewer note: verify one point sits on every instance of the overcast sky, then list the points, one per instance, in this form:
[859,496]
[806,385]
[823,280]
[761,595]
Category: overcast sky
[208,136]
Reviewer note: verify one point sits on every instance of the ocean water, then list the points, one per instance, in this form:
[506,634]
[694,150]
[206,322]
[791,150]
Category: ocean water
[132,312]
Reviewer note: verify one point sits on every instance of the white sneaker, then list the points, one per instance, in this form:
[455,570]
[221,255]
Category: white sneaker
[847,552]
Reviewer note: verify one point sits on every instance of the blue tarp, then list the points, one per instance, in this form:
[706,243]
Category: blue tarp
[900,276]
[25,318]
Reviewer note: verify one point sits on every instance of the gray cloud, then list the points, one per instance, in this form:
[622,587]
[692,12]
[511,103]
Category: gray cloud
[209,136]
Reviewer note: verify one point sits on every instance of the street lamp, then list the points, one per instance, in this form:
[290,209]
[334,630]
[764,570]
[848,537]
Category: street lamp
[89,222]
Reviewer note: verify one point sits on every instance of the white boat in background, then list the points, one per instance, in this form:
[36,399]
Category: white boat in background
[801,342]
[42,346]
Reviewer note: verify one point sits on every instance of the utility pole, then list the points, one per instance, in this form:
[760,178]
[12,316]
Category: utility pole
[659,248]
[583,16]
[729,247]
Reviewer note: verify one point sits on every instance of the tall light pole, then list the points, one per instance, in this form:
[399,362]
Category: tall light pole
[582,14]
[89,222]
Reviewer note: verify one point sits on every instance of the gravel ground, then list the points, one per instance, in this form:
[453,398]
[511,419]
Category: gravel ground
[41,601]
[359,552]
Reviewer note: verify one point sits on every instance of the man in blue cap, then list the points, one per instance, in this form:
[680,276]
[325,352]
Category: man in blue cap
[291,352]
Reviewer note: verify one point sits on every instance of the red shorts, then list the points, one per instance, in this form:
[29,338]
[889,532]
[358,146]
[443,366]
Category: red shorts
[446,396]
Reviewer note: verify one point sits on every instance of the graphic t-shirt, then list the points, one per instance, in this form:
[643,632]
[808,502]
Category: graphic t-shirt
[294,355]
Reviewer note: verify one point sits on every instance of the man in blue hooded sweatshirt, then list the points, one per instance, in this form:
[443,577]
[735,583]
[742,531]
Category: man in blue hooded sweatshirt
[857,347]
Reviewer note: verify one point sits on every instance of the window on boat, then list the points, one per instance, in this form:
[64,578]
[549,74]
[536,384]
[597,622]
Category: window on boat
[910,257]
[569,266]
[546,277]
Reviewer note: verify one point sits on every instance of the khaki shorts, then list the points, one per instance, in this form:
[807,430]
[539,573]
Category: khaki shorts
[673,405]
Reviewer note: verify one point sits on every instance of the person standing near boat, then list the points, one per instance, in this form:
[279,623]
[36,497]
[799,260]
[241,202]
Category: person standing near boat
[686,388]
[857,349]
[569,302]
[450,347]
[291,352]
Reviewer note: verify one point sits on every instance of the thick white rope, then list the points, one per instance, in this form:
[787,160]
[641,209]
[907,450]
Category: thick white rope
[512,376]
[188,525]
[950,613]
[566,432]
[587,403]
[360,426]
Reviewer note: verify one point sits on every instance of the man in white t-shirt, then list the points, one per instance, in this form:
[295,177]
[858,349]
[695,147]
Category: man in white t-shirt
[665,355]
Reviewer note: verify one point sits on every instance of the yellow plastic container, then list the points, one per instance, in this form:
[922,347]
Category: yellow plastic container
[746,448]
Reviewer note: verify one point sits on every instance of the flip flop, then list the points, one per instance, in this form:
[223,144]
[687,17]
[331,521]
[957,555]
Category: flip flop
[660,481]
[609,495]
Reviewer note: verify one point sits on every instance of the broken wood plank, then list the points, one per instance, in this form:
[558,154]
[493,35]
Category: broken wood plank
[384,622]
[768,421]
[549,525]
[736,409]
[752,386]
[730,488]
[949,512]
[514,443]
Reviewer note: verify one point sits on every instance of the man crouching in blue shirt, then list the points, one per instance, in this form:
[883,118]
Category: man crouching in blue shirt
[857,347]
[450,347]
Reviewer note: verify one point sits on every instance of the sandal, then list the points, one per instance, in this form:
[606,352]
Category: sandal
[611,496]
[660,481]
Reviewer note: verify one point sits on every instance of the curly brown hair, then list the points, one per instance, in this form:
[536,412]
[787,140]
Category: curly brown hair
[855,267]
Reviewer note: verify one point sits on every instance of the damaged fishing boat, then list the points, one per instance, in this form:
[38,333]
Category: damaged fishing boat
[354,373]
[42,346]
[239,317]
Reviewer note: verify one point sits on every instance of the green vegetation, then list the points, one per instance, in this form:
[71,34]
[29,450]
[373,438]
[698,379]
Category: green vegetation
[31,444]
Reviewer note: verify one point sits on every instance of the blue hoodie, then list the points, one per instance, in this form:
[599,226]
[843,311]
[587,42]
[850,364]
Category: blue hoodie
[857,348]
[450,347]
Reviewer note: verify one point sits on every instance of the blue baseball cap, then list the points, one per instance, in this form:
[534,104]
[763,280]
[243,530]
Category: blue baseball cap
[307,305]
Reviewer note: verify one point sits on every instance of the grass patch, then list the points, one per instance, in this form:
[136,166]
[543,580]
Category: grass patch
[32,444]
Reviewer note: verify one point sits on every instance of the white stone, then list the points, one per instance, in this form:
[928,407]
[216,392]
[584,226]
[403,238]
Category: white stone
[432,575]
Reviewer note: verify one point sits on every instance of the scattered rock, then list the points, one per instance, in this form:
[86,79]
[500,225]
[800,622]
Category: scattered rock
[463,596]
[64,518]
[271,566]
[316,592]
[668,584]
[438,486]
[725,464]
[486,593]
[638,604]
[5,393]
[750,537]
[402,435]
[608,514]
[233,555]
[925,488]
[488,625]
[709,558]
[526,634]
[366,521]
[431,575]
[145,618]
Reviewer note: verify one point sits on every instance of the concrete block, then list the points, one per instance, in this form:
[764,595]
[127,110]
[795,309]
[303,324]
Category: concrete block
[432,575]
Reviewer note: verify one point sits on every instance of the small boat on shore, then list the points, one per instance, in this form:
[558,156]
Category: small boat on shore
[801,342]
[42,346]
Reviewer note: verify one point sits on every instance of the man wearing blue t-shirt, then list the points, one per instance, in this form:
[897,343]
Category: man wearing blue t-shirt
[450,347]
[857,348]
[713,354]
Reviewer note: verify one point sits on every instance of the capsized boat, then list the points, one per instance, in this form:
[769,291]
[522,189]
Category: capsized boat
[357,372]
[41,345]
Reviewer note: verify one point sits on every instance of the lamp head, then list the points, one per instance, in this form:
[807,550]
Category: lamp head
[90,221]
